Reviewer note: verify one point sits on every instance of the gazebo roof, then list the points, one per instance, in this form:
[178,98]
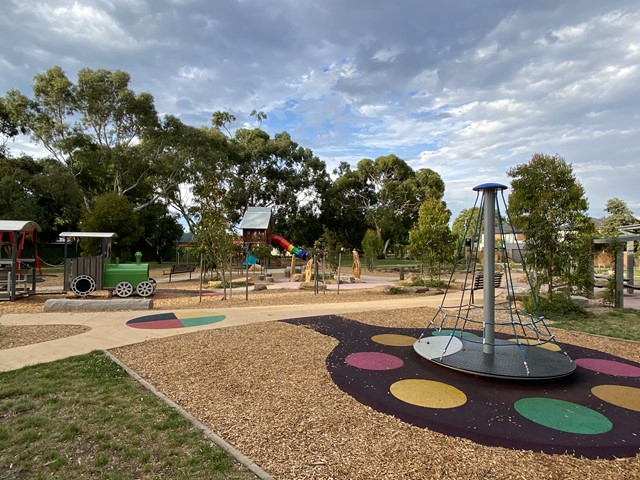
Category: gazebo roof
[88,235]
[19,226]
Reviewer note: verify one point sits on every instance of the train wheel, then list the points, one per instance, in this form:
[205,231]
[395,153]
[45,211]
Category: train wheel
[83,285]
[144,289]
[124,289]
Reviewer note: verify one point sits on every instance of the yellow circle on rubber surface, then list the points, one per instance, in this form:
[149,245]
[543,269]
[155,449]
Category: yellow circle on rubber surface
[532,341]
[394,340]
[428,393]
[619,395]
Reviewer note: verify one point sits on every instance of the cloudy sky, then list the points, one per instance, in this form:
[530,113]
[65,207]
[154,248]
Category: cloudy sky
[469,88]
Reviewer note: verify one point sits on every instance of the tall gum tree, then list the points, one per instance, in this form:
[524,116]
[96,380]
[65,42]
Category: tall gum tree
[269,171]
[92,127]
[385,194]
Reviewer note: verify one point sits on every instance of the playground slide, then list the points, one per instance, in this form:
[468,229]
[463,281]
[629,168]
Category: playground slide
[285,245]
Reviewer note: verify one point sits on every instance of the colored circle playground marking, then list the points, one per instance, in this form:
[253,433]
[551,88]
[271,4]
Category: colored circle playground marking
[173,320]
[394,340]
[428,393]
[619,395]
[455,333]
[586,417]
[563,416]
[374,361]
[610,367]
[532,341]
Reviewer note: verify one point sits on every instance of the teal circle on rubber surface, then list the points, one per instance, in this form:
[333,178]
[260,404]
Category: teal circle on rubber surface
[455,333]
[563,416]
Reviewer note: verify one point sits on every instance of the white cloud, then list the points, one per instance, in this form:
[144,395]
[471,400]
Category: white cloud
[189,72]
[80,23]
[470,98]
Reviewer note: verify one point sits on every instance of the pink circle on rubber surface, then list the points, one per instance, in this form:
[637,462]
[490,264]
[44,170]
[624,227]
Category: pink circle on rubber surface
[609,367]
[374,361]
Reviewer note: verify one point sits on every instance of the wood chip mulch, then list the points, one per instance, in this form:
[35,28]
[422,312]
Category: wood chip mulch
[12,336]
[265,388]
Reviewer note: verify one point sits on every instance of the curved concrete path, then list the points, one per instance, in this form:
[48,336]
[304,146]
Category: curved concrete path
[109,329]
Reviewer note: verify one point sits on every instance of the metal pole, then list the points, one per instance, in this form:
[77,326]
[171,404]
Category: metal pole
[246,283]
[315,273]
[489,270]
[230,276]
[324,278]
[201,274]
[630,265]
[339,266]
[619,272]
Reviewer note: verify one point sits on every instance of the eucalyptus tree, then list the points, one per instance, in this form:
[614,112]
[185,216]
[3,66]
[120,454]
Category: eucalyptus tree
[9,128]
[384,194]
[41,191]
[182,159]
[269,171]
[92,128]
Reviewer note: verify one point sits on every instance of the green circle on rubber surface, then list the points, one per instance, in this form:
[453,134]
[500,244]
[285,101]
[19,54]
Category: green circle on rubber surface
[455,333]
[563,416]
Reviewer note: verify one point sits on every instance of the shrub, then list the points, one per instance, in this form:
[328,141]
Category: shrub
[560,307]
[608,295]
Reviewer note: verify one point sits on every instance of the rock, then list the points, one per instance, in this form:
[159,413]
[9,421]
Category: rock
[578,300]
[311,286]
[57,305]
[416,289]
[257,288]
[344,278]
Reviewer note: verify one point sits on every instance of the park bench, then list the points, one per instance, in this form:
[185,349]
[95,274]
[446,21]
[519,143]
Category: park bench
[180,268]
[478,282]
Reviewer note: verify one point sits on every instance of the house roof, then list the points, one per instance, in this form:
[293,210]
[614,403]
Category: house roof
[256,217]
[19,226]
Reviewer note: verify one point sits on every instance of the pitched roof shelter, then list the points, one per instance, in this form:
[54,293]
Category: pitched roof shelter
[11,275]
[257,226]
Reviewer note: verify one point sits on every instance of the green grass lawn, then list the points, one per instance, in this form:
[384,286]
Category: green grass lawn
[84,417]
[623,323]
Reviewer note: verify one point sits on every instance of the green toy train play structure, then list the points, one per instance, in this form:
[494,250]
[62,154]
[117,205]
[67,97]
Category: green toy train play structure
[84,275]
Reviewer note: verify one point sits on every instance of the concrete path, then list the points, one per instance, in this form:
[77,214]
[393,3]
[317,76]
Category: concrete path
[109,329]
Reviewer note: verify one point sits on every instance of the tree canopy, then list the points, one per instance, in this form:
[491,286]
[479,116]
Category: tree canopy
[619,215]
[430,240]
[549,205]
[110,154]
[382,194]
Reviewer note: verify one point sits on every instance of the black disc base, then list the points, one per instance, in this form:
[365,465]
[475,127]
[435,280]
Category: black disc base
[517,362]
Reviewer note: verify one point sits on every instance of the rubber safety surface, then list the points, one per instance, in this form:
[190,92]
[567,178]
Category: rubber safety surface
[595,412]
